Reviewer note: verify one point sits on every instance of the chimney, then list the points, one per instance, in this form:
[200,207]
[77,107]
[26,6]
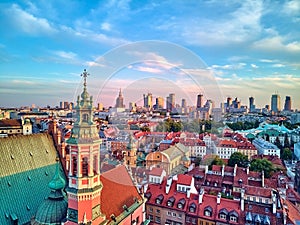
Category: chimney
[219,198]
[223,167]
[206,169]
[273,203]
[242,199]
[247,170]
[188,193]
[234,170]
[201,193]
[263,179]
[168,185]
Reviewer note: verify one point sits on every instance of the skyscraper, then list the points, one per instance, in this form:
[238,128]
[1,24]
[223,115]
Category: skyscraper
[159,102]
[170,102]
[251,104]
[119,100]
[199,101]
[148,100]
[183,103]
[275,103]
[288,103]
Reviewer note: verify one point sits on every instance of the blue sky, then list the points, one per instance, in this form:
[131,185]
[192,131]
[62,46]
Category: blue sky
[246,48]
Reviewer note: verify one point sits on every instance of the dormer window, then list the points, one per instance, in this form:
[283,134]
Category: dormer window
[159,199]
[233,216]
[181,203]
[170,201]
[208,211]
[192,208]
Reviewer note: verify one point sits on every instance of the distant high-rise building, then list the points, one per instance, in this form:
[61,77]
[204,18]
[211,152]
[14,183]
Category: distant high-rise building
[148,100]
[170,102]
[251,104]
[120,100]
[183,103]
[199,101]
[288,103]
[229,102]
[275,103]
[159,103]
[64,105]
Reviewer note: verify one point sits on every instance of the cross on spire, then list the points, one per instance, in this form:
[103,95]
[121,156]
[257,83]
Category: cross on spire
[84,74]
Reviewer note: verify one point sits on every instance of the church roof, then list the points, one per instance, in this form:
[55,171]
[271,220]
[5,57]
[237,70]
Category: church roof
[114,182]
[27,165]
[53,209]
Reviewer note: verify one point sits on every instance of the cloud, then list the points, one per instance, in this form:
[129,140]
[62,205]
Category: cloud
[277,43]
[254,66]
[106,26]
[278,65]
[65,55]
[240,26]
[28,23]
[291,7]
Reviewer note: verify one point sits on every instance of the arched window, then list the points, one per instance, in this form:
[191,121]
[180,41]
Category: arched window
[95,162]
[85,117]
[85,165]
[74,166]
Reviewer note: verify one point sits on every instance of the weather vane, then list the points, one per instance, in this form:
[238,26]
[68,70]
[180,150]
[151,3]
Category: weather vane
[84,74]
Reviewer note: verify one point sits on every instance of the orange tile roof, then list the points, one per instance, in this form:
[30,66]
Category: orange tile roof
[156,171]
[118,190]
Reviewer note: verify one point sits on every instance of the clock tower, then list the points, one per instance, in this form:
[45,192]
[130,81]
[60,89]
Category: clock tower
[84,189]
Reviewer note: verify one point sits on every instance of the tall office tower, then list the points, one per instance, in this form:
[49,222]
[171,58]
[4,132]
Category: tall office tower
[275,103]
[64,105]
[171,102]
[84,190]
[159,102]
[288,103]
[148,100]
[229,102]
[199,101]
[183,103]
[120,100]
[251,104]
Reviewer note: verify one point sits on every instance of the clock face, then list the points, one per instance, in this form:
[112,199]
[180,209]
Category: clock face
[96,211]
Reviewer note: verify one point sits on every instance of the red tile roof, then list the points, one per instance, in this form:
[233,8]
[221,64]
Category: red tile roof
[156,171]
[118,190]
[184,179]
[10,123]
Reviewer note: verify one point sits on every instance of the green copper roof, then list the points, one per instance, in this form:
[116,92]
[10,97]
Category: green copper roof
[57,183]
[27,165]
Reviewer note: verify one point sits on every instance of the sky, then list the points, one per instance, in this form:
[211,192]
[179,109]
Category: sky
[218,48]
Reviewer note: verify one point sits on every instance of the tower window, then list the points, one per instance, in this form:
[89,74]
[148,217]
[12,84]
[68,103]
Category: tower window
[85,118]
[85,164]
[74,167]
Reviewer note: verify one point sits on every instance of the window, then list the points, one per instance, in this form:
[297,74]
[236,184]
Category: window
[174,214]
[150,217]
[85,165]
[169,213]
[157,211]
[192,209]
[233,218]
[207,213]
[193,221]
[179,206]
[74,167]
[157,219]
[150,209]
[179,215]
[222,216]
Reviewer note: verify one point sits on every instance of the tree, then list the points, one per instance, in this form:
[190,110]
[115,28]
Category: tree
[238,158]
[287,154]
[197,161]
[217,161]
[260,165]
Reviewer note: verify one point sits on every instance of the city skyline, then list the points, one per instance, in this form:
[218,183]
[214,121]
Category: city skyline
[249,49]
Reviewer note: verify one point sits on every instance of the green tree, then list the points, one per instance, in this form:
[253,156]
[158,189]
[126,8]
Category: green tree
[287,154]
[260,165]
[238,158]
[217,161]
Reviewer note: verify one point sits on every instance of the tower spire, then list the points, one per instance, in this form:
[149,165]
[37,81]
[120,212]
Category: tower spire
[84,75]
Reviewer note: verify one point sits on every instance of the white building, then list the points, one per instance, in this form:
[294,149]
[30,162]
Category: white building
[265,148]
